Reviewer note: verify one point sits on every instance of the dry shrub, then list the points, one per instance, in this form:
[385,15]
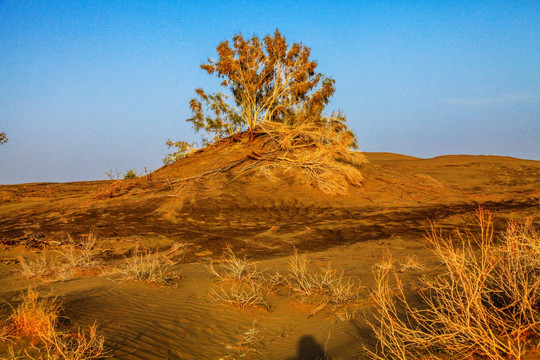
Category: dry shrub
[246,286]
[322,155]
[485,305]
[234,268]
[150,267]
[176,253]
[33,317]
[79,345]
[38,267]
[70,260]
[37,319]
[410,264]
[248,347]
[241,295]
[337,289]
[81,255]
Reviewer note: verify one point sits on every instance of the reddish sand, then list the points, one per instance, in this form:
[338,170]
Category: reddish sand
[260,219]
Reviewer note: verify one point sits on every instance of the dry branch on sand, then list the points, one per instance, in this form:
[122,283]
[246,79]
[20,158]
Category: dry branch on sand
[485,305]
[322,156]
[233,268]
[37,319]
[317,156]
[248,347]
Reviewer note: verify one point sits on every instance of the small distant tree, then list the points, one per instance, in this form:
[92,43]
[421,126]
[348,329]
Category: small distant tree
[267,81]
[130,174]
[3,138]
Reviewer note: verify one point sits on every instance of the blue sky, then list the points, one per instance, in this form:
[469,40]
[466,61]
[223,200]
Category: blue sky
[90,85]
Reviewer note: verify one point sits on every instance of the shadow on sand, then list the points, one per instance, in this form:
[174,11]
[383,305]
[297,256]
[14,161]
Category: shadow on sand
[308,349]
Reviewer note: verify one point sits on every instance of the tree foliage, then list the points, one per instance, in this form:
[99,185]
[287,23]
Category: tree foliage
[3,138]
[267,81]
[130,175]
[183,149]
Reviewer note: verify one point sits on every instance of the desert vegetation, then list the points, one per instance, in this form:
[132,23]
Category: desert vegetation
[70,260]
[275,94]
[153,267]
[39,320]
[307,274]
[245,286]
[485,304]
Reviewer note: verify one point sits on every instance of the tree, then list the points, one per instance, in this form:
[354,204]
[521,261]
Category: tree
[267,81]
[3,138]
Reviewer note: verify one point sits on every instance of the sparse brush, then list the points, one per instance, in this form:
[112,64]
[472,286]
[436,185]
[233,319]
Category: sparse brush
[80,345]
[321,154]
[33,317]
[234,268]
[241,295]
[270,281]
[37,319]
[410,264]
[386,263]
[246,285]
[6,333]
[300,279]
[176,253]
[248,346]
[150,267]
[340,290]
[81,255]
[12,355]
[39,267]
[347,314]
[485,305]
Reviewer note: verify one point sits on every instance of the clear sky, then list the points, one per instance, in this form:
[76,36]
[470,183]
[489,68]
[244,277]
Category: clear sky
[90,85]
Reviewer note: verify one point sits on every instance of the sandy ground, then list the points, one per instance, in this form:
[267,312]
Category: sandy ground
[261,220]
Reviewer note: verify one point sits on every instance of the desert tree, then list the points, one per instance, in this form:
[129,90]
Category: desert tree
[272,91]
[3,138]
[266,80]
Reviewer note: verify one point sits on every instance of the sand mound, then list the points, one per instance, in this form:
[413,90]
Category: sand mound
[255,172]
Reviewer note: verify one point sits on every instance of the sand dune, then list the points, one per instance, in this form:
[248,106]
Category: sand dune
[260,219]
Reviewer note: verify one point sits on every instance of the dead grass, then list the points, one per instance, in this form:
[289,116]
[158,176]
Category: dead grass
[248,347]
[81,255]
[79,345]
[485,305]
[37,319]
[246,286]
[410,264]
[151,267]
[33,317]
[234,268]
[38,267]
[71,260]
[322,156]
[241,295]
[337,290]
